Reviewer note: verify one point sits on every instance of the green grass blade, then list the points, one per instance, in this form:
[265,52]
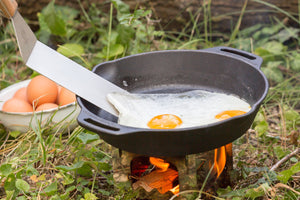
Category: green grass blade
[238,24]
[280,10]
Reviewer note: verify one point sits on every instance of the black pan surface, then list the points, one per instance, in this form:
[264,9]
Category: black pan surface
[219,69]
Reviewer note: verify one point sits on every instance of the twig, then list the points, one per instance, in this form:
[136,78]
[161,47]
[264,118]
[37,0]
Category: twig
[283,124]
[3,144]
[285,159]
[281,185]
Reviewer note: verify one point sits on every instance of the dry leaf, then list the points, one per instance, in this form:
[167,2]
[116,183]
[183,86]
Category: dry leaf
[34,178]
[294,137]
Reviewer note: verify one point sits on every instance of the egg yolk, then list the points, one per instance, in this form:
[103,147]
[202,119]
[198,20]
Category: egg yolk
[164,121]
[229,113]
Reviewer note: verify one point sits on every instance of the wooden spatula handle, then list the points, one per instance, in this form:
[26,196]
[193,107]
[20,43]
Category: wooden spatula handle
[8,7]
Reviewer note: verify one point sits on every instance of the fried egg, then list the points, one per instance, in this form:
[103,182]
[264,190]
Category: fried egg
[176,110]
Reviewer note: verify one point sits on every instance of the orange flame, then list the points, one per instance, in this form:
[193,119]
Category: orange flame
[175,190]
[220,160]
[162,166]
[220,153]
[159,163]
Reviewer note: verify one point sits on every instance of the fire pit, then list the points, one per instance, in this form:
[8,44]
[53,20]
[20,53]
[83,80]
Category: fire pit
[162,177]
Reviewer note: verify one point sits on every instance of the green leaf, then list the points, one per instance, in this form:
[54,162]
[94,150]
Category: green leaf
[125,35]
[22,185]
[248,31]
[261,128]
[85,170]
[6,169]
[86,138]
[294,159]
[286,34]
[10,183]
[51,189]
[114,50]
[224,191]
[230,194]
[21,198]
[260,124]
[285,175]
[279,152]
[273,74]
[10,194]
[68,179]
[14,134]
[257,192]
[71,168]
[68,14]
[104,166]
[71,50]
[56,197]
[274,64]
[121,7]
[265,54]
[104,192]
[270,30]
[295,65]
[275,48]
[44,32]
[291,115]
[90,196]
[71,188]
[109,39]
[54,22]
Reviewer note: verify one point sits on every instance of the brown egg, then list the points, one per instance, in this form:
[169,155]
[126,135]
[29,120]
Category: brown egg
[41,90]
[17,105]
[58,88]
[65,97]
[21,94]
[46,106]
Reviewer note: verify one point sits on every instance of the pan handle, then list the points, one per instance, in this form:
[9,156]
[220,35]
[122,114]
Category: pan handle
[8,8]
[100,125]
[250,58]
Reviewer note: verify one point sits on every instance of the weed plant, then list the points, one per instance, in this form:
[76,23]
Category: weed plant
[77,165]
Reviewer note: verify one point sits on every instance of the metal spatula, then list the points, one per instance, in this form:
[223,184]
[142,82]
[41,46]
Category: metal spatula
[57,67]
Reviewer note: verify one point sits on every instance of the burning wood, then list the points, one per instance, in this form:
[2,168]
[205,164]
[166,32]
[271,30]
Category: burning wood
[162,181]
[161,178]
[160,164]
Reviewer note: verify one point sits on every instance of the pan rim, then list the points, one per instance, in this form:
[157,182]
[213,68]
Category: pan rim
[134,130]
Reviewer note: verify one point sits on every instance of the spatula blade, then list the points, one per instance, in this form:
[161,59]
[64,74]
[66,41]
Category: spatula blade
[25,37]
[72,76]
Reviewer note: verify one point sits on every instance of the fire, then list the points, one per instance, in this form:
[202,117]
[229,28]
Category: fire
[160,164]
[161,177]
[220,160]
[175,190]
[220,153]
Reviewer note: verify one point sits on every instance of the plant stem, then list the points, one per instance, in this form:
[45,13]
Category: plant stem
[205,22]
[109,31]
[204,182]
[238,24]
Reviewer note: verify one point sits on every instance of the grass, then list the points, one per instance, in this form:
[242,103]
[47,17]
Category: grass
[76,164]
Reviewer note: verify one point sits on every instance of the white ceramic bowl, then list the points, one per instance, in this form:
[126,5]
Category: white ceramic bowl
[65,115]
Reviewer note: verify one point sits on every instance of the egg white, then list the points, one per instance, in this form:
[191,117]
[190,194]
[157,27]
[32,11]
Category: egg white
[195,108]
